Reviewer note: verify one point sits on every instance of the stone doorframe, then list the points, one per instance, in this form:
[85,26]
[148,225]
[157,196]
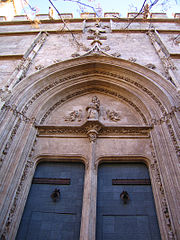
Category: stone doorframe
[34,98]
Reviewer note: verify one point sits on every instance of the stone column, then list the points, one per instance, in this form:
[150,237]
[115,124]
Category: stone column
[88,219]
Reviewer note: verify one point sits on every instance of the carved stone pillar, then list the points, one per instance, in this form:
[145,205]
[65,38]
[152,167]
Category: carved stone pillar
[88,219]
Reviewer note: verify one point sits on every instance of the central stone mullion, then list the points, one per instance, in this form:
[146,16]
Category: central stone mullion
[88,220]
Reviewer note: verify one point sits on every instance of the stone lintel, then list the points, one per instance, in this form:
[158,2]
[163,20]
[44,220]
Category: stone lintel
[101,129]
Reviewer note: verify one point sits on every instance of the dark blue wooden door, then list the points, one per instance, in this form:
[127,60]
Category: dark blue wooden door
[47,219]
[132,219]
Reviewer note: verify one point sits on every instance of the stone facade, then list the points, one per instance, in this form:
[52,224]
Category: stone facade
[92,91]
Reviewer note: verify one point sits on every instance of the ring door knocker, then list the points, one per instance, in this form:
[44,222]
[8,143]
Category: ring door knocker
[124,197]
[55,195]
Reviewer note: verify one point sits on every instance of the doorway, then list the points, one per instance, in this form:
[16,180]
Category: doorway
[125,204]
[53,207]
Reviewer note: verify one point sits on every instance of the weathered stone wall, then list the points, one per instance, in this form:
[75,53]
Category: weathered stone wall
[131,44]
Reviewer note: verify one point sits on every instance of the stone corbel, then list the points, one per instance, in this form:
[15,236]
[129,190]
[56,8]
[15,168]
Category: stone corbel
[92,135]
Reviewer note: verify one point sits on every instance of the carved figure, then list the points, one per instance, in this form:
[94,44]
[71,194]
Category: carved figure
[73,116]
[113,116]
[93,109]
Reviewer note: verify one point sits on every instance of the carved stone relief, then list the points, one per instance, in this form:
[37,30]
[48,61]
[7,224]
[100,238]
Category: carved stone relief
[113,116]
[13,208]
[93,111]
[164,55]
[21,70]
[150,66]
[73,116]
[102,112]
[9,142]
[5,93]
[20,117]
[131,59]
[39,67]
[96,34]
[163,200]
[102,27]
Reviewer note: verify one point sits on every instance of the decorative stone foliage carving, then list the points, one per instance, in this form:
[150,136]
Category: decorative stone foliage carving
[95,125]
[33,148]
[22,68]
[107,48]
[166,116]
[113,116]
[116,54]
[164,205]
[75,55]
[57,60]
[20,117]
[19,114]
[150,66]
[39,67]
[96,36]
[73,116]
[177,39]
[131,59]
[98,26]
[161,50]
[13,208]
[166,119]
[5,93]
[10,140]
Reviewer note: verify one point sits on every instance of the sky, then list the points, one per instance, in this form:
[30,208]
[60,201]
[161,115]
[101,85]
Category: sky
[121,6]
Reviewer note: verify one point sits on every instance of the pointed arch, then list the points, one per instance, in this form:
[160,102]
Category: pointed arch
[37,96]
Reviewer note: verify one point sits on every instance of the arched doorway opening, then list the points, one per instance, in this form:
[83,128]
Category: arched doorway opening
[54,204]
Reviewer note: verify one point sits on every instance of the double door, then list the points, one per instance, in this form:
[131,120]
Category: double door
[125,204]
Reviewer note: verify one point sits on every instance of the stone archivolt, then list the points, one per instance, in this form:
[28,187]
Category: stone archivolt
[100,90]
[94,129]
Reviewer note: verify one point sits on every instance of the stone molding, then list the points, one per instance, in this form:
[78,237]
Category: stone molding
[22,68]
[126,79]
[166,119]
[18,113]
[164,56]
[101,129]
[167,116]
[9,141]
[163,200]
[10,218]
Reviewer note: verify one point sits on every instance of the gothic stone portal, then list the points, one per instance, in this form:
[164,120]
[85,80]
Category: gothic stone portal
[134,218]
[57,216]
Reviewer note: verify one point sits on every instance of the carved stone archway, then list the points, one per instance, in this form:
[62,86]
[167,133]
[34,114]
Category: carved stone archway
[25,116]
